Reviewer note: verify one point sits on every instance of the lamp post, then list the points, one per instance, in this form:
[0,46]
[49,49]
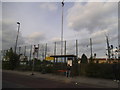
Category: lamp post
[35,51]
[17,35]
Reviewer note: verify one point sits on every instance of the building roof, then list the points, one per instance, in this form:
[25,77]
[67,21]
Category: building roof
[60,56]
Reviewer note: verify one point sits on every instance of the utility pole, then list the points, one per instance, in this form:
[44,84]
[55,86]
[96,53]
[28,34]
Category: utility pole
[62,29]
[17,36]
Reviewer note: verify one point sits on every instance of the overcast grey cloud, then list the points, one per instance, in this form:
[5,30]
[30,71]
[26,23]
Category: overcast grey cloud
[48,6]
[9,34]
[92,16]
[35,38]
[94,20]
[41,23]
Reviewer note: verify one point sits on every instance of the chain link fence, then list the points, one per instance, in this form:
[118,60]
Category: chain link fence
[70,47]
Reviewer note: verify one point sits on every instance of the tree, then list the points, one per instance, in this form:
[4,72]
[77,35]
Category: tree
[84,59]
[13,59]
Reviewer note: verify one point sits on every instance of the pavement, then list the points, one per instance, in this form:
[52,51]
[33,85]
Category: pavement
[98,83]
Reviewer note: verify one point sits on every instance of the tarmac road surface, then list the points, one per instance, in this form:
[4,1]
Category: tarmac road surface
[14,80]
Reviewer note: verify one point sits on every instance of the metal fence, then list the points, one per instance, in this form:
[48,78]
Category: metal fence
[70,47]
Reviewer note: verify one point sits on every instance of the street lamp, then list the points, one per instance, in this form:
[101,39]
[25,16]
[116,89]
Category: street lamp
[17,35]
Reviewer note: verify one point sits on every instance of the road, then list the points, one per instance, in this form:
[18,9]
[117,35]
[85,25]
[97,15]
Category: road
[12,80]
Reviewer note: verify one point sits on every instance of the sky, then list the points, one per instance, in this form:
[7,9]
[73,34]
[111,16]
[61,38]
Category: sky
[40,23]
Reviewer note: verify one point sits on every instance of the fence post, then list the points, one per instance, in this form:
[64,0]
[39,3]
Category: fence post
[30,52]
[38,52]
[54,51]
[46,50]
[65,53]
[25,51]
[19,50]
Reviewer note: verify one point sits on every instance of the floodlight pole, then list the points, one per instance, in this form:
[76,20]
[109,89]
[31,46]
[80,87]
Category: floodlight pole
[17,35]
[108,47]
[62,29]
[91,48]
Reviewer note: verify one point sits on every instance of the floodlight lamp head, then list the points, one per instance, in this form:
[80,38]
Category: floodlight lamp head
[18,22]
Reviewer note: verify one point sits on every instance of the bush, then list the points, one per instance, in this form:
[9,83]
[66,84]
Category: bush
[6,65]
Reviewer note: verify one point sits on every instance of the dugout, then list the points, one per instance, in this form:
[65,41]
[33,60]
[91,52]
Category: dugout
[66,59]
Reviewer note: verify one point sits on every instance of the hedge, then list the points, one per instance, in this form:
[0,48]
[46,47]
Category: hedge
[98,70]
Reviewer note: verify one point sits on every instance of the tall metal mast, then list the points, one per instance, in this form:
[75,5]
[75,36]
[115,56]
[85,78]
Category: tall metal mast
[91,48]
[108,47]
[62,28]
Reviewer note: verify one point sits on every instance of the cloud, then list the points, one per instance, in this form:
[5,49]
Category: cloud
[55,39]
[94,20]
[35,38]
[48,6]
[92,16]
[9,33]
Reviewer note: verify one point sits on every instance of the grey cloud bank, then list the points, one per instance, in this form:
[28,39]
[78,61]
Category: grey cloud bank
[40,22]
[9,33]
